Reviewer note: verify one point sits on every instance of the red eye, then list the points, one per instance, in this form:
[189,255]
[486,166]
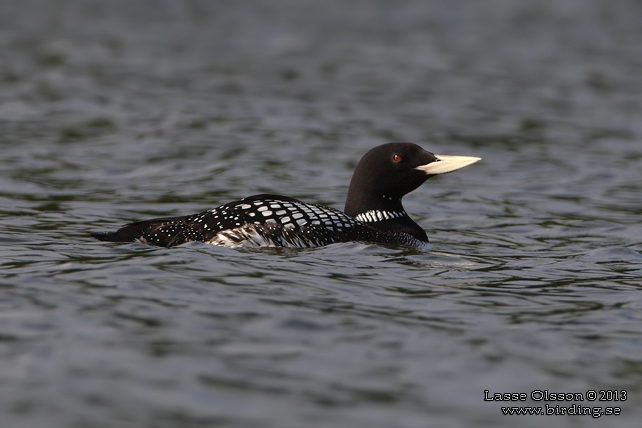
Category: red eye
[396,158]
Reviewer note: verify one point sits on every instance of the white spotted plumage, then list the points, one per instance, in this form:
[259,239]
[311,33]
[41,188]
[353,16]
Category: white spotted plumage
[283,222]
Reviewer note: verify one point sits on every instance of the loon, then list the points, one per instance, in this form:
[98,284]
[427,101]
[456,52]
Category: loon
[373,211]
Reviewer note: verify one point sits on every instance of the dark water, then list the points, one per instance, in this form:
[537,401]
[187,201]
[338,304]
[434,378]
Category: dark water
[117,111]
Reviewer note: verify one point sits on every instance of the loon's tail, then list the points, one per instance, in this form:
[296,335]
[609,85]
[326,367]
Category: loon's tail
[163,232]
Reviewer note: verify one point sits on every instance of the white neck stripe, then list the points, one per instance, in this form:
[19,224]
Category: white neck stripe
[378,215]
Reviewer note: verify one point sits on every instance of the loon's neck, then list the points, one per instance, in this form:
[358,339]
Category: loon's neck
[360,203]
[383,212]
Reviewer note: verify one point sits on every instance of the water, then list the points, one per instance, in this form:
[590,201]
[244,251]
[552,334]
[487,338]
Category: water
[112,112]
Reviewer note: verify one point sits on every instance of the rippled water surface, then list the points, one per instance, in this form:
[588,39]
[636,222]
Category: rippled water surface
[117,111]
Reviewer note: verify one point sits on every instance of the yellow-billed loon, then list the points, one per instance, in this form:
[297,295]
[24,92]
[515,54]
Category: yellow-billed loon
[373,211]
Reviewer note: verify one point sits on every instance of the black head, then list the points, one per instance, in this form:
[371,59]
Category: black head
[390,169]
[388,172]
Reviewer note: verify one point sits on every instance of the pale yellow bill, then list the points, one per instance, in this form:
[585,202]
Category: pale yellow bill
[447,163]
